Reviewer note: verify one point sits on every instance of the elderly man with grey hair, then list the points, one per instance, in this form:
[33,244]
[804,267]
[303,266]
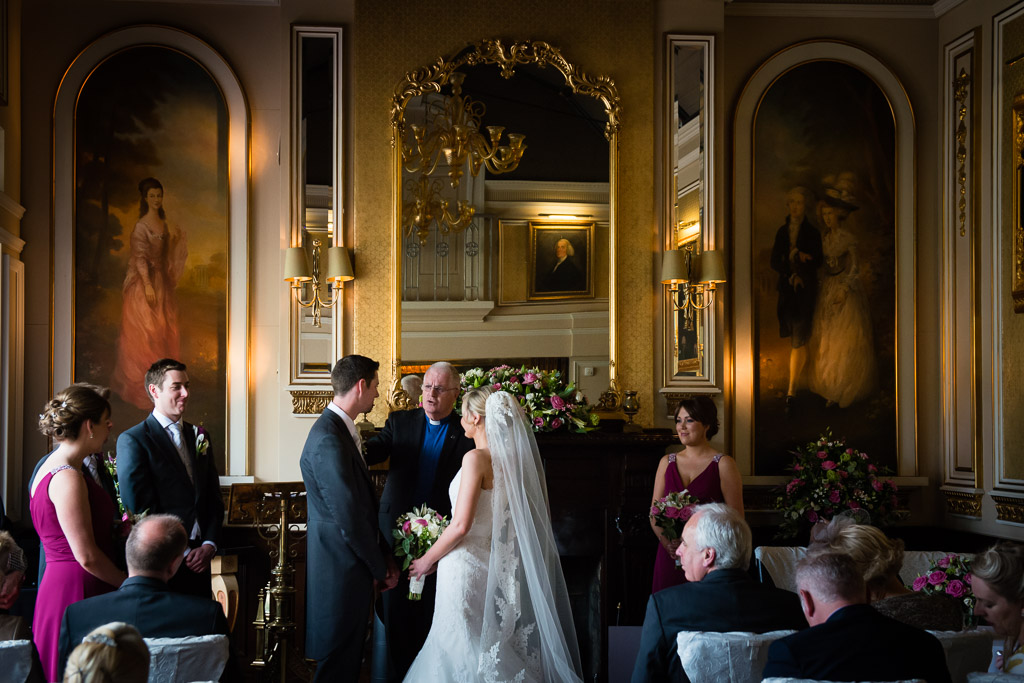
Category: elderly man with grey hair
[849,640]
[424,449]
[720,595]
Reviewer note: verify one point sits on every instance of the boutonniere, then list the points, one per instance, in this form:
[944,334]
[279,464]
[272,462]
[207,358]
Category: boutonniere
[202,441]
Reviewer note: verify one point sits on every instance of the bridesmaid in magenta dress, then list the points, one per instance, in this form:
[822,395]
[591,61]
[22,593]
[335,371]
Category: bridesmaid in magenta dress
[72,515]
[699,469]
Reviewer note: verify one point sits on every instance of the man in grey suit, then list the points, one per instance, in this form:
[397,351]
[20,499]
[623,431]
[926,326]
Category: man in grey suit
[715,553]
[165,465]
[345,551]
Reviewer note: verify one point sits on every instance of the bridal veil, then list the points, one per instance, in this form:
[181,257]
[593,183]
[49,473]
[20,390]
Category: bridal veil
[528,632]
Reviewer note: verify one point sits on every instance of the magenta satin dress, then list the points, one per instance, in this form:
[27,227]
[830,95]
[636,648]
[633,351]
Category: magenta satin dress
[64,581]
[705,487]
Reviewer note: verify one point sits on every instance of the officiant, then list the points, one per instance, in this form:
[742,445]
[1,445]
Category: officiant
[425,447]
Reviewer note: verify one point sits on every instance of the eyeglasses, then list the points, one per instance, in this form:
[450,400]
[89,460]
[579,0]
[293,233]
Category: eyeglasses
[434,389]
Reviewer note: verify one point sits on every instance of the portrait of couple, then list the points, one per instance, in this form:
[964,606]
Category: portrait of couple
[483,471]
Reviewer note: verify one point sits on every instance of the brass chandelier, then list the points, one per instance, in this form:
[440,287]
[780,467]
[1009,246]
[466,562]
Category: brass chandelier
[451,132]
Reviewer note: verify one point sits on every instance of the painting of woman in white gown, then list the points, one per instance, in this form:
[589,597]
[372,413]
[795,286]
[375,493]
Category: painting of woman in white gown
[825,128]
[844,368]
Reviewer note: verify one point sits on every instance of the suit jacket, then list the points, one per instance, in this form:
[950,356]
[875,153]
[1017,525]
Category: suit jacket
[401,440]
[795,307]
[148,605]
[724,600]
[344,549]
[152,477]
[857,643]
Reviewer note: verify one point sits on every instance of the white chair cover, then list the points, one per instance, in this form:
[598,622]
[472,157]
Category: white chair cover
[737,657]
[966,651]
[194,658]
[984,677]
[780,562]
[15,660]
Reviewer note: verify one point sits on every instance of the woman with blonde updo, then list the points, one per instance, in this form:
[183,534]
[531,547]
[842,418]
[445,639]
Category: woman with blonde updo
[998,585]
[112,653]
[72,515]
[879,559]
[499,549]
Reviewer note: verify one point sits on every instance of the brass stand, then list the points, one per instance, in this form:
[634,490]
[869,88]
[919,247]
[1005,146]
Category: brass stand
[276,510]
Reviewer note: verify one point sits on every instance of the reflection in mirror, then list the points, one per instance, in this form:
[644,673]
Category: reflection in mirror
[483,238]
[316,81]
[689,360]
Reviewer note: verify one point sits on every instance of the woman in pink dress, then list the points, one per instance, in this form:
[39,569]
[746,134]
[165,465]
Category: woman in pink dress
[72,514]
[149,310]
[701,471]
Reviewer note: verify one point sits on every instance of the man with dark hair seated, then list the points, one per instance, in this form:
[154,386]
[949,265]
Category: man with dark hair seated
[848,639]
[715,553]
[155,550]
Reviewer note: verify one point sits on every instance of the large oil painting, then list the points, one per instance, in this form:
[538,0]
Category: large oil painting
[824,264]
[151,231]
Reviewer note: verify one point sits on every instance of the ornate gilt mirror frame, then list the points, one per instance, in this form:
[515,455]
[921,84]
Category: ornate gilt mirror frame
[430,79]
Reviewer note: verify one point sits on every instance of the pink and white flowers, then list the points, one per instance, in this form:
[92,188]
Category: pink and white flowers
[949,575]
[414,533]
[550,403]
[671,512]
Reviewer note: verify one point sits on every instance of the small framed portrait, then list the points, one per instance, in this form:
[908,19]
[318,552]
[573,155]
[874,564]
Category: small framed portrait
[561,261]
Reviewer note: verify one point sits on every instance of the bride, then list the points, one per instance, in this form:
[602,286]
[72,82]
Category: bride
[502,610]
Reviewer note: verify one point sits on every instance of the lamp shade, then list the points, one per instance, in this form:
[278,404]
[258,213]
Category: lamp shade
[711,267]
[673,267]
[339,265]
[296,265]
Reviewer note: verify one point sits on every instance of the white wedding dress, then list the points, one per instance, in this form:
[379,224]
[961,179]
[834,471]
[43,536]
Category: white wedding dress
[502,611]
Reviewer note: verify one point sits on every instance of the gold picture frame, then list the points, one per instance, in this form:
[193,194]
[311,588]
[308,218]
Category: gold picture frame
[561,261]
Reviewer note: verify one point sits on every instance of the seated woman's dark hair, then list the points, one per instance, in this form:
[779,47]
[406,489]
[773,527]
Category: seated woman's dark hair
[702,409]
[64,414]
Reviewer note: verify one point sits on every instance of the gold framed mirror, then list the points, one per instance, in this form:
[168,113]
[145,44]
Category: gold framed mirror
[689,360]
[447,163]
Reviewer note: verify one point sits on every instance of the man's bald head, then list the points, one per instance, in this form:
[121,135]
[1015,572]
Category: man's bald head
[156,546]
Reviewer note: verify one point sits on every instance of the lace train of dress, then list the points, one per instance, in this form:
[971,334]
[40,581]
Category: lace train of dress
[451,651]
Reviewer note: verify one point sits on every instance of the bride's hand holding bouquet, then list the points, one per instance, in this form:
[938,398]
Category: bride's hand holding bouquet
[414,534]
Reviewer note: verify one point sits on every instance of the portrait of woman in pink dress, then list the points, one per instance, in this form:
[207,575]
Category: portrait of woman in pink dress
[149,313]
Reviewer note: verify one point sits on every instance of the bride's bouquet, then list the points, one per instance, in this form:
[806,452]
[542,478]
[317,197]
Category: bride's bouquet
[671,512]
[414,533]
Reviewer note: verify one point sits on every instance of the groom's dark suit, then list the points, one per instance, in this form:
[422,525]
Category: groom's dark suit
[344,549]
[407,622]
[152,477]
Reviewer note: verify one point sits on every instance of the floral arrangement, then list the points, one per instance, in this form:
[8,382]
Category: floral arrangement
[671,512]
[414,533]
[829,477]
[950,575]
[550,403]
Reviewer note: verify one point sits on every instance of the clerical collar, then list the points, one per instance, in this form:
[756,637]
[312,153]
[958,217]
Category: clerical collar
[435,423]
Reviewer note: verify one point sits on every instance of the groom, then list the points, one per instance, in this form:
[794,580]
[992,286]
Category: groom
[164,465]
[425,446]
[345,552]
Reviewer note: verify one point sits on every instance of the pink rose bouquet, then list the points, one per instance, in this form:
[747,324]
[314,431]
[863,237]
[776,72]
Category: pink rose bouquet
[671,512]
[550,403]
[414,533]
[827,477]
[951,576]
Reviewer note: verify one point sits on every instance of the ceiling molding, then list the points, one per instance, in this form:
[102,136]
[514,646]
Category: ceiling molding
[837,11]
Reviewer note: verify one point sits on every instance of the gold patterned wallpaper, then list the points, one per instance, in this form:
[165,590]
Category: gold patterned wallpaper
[1012,324]
[601,37]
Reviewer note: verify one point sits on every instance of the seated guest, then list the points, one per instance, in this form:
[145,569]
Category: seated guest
[998,584]
[715,553]
[155,549]
[112,653]
[848,640]
[879,560]
[12,569]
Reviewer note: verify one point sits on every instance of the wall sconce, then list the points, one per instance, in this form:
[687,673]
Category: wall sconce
[692,284]
[297,272]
